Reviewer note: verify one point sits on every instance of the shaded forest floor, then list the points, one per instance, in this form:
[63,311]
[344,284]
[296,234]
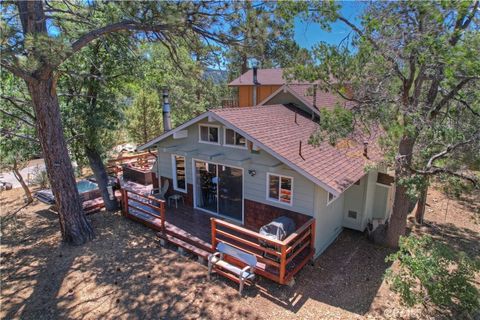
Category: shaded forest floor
[125,273]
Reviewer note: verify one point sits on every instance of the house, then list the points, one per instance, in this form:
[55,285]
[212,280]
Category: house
[250,165]
[256,84]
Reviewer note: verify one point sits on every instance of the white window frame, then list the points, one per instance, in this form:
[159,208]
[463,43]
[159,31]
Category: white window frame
[333,199]
[208,126]
[232,145]
[279,187]
[174,173]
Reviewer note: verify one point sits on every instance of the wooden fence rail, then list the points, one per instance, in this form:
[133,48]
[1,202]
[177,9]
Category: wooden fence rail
[277,260]
[134,202]
[114,166]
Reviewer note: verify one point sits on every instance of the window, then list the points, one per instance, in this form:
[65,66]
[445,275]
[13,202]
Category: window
[279,188]
[331,198]
[352,214]
[234,139]
[179,177]
[209,134]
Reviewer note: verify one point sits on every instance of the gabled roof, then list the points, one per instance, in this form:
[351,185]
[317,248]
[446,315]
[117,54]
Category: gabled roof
[268,77]
[274,129]
[264,77]
[304,93]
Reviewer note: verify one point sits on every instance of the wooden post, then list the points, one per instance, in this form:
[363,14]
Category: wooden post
[312,235]
[214,233]
[125,201]
[163,215]
[122,192]
[283,258]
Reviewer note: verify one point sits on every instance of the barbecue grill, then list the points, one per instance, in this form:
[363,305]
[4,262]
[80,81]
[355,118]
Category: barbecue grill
[277,229]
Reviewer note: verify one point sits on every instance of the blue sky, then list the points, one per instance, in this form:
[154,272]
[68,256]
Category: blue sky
[308,33]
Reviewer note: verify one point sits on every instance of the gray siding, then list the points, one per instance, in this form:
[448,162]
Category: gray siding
[354,201]
[328,219]
[255,187]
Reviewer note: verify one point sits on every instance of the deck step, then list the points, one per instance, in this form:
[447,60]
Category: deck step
[187,237]
[185,245]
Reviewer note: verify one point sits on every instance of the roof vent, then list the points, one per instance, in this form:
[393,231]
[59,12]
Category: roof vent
[365,149]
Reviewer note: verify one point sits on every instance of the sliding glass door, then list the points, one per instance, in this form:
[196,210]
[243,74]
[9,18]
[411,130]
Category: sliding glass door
[219,189]
[206,186]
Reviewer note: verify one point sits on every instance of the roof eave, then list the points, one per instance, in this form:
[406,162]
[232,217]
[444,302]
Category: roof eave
[184,125]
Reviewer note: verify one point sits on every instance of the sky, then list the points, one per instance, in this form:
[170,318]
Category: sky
[308,34]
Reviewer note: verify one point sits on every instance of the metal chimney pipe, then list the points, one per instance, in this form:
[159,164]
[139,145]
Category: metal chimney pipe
[167,121]
[255,83]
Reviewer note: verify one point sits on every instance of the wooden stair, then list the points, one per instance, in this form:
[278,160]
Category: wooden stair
[187,237]
[186,241]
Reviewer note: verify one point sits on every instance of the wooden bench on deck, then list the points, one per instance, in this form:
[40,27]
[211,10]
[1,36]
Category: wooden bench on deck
[217,263]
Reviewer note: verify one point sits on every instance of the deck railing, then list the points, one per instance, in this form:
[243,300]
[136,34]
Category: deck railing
[230,103]
[114,166]
[277,260]
[134,202]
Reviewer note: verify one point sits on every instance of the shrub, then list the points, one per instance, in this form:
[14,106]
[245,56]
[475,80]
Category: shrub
[40,177]
[431,272]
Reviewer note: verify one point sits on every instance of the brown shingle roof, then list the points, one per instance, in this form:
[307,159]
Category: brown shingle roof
[324,99]
[264,77]
[268,77]
[274,127]
[304,92]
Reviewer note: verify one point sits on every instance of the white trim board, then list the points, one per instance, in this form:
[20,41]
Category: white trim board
[286,88]
[174,172]
[152,142]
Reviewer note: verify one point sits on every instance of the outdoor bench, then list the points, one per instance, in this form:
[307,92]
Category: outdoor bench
[217,262]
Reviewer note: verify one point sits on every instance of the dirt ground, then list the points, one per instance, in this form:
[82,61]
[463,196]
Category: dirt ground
[125,273]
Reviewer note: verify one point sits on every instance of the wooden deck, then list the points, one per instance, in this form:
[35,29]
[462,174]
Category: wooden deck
[199,232]
[183,222]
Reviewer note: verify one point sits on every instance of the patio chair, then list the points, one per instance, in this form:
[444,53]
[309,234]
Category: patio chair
[160,193]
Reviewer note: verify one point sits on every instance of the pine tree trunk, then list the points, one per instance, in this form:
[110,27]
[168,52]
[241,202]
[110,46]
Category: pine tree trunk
[101,177]
[402,202]
[74,225]
[422,201]
[18,176]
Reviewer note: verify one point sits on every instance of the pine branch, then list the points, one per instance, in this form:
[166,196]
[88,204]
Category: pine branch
[16,104]
[475,136]
[449,96]
[8,133]
[17,71]
[13,116]
[438,170]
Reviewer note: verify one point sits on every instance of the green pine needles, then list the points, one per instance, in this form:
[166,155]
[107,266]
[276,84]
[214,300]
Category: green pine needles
[432,273]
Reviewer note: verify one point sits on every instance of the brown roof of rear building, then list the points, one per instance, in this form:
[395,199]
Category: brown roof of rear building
[264,77]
